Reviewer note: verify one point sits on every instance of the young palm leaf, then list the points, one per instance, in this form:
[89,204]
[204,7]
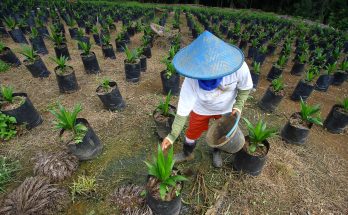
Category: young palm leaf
[258,134]
[7,93]
[307,113]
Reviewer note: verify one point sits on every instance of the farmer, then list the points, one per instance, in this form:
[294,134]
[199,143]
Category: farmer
[217,82]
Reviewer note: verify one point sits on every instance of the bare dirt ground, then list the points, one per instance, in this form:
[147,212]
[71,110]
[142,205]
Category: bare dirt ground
[309,179]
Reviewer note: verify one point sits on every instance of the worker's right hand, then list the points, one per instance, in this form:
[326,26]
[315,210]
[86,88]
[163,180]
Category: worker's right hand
[165,144]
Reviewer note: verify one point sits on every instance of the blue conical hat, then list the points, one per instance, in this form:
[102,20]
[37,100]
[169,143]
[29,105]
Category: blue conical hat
[208,57]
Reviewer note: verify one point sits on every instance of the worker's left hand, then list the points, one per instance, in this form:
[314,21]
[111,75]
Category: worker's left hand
[235,111]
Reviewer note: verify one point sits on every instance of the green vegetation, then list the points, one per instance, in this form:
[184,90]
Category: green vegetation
[258,134]
[10,22]
[4,66]
[310,114]
[106,84]
[7,93]
[61,63]
[84,186]
[256,67]
[164,106]
[311,74]
[86,48]
[67,120]
[131,55]
[281,62]
[2,46]
[29,53]
[7,170]
[34,33]
[7,131]
[331,68]
[278,84]
[162,169]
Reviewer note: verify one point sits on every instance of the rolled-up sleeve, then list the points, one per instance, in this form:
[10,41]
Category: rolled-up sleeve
[187,97]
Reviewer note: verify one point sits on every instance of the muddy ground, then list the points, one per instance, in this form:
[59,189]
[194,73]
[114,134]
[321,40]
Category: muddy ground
[309,179]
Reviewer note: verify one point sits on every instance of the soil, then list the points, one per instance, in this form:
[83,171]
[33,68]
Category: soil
[279,93]
[299,180]
[136,61]
[342,110]
[259,152]
[89,55]
[101,90]
[68,70]
[222,130]
[153,185]
[159,117]
[16,103]
[296,121]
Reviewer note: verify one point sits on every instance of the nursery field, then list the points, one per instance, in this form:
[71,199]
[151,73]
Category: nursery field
[306,178]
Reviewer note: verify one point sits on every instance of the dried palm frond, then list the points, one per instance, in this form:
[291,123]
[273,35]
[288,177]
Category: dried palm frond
[56,166]
[35,196]
[128,199]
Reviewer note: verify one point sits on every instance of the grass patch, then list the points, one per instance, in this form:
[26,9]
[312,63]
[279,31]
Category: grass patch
[4,66]
[7,170]
[84,186]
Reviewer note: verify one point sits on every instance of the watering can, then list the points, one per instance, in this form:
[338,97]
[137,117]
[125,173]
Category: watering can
[225,134]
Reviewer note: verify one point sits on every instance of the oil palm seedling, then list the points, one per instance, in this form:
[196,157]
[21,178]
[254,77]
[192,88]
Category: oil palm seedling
[96,36]
[107,48]
[273,95]
[164,181]
[132,65]
[19,106]
[277,69]
[253,48]
[341,74]
[41,27]
[81,38]
[297,129]
[305,86]
[37,42]
[337,119]
[34,63]
[261,54]
[16,34]
[67,121]
[110,95]
[255,73]
[299,64]
[65,75]
[163,116]
[325,80]
[89,58]
[8,56]
[76,133]
[60,47]
[170,78]
[252,157]
[142,59]
[72,27]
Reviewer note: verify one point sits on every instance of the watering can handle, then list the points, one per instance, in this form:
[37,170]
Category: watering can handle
[234,126]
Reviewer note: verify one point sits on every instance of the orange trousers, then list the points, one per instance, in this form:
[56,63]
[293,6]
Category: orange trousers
[198,124]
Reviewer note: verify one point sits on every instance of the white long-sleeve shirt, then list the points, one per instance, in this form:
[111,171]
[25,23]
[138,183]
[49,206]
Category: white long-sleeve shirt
[217,101]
